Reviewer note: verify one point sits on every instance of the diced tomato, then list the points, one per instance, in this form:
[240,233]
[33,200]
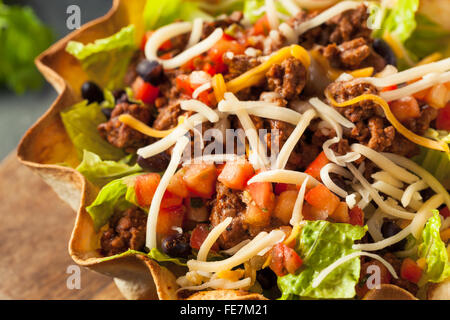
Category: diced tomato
[215,54]
[322,198]
[262,194]
[144,91]
[171,200]
[284,205]
[177,185]
[410,271]
[168,219]
[145,187]
[312,213]
[314,168]
[443,118]
[255,216]
[284,260]
[235,174]
[405,108]
[261,27]
[184,84]
[341,213]
[165,46]
[199,235]
[445,212]
[367,270]
[209,68]
[282,187]
[356,216]
[438,96]
[200,179]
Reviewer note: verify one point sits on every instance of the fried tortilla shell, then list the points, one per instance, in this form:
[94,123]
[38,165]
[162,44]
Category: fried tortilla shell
[47,150]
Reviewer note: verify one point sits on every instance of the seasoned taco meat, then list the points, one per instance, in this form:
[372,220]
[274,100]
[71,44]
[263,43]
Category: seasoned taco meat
[126,231]
[119,134]
[228,203]
[287,79]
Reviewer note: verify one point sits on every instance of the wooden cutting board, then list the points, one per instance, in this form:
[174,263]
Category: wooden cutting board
[35,227]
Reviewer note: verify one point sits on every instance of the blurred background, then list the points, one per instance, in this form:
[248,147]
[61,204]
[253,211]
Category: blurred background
[19,110]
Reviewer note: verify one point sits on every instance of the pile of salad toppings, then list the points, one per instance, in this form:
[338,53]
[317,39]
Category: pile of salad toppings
[337,181]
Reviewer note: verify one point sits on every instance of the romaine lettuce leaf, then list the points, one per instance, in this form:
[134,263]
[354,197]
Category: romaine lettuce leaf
[81,121]
[100,172]
[106,60]
[427,38]
[400,21]
[255,9]
[434,251]
[158,13]
[321,243]
[22,37]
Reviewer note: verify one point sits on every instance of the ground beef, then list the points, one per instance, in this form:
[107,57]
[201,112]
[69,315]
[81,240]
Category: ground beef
[210,26]
[402,283]
[287,79]
[348,55]
[228,203]
[238,64]
[168,117]
[346,26]
[119,134]
[126,231]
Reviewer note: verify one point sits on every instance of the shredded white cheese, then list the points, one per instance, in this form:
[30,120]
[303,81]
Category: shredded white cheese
[325,272]
[272,14]
[152,218]
[425,213]
[196,33]
[200,107]
[388,178]
[284,176]
[212,237]
[322,107]
[295,136]
[325,177]
[202,88]
[298,206]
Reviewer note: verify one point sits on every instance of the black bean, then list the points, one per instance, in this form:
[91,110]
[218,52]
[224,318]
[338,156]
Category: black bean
[157,163]
[389,229]
[120,96]
[177,245]
[383,49]
[266,278]
[150,71]
[107,112]
[92,92]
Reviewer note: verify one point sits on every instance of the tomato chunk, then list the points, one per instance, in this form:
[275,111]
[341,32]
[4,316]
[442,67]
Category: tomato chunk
[165,46]
[262,194]
[215,54]
[171,200]
[235,174]
[261,27]
[443,118]
[145,187]
[341,213]
[284,260]
[438,96]
[314,168]
[200,179]
[168,219]
[405,108]
[144,91]
[255,216]
[356,216]
[410,271]
[177,185]
[282,187]
[284,205]
[445,212]
[199,235]
[312,213]
[322,198]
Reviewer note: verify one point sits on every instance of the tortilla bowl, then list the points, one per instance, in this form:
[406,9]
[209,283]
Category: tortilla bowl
[47,150]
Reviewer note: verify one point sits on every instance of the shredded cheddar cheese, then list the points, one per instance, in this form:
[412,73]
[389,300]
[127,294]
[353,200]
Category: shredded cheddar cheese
[428,143]
[137,125]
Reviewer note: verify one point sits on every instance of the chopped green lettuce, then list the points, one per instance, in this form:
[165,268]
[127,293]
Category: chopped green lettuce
[427,38]
[158,13]
[22,37]
[319,244]
[400,21]
[101,172]
[154,254]
[434,251]
[81,121]
[254,9]
[106,60]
